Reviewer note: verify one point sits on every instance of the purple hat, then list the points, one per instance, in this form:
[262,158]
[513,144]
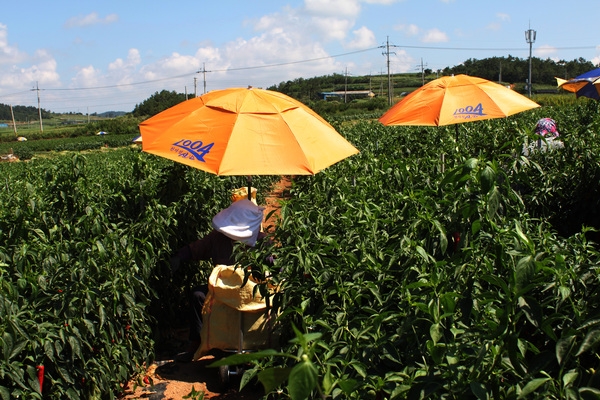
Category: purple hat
[546,127]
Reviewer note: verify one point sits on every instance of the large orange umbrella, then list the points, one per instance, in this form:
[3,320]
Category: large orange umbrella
[456,99]
[245,131]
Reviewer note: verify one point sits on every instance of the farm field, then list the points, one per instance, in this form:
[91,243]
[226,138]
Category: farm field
[434,264]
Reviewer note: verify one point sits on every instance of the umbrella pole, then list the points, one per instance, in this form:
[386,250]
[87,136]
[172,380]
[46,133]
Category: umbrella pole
[249,178]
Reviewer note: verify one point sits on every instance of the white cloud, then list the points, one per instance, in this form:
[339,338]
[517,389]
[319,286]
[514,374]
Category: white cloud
[434,36]
[278,47]
[544,51]
[503,17]
[41,68]
[332,28]
[494,26]
[287,44]
[90,19]
[338,8]
[408,30]
[87,76]
[363,38]
[401,62]
[3,36]
[9,54]
[500,19]
[132,60]
[384,2]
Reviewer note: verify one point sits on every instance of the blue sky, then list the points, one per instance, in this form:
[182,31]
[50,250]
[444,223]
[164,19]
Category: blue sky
[92,56]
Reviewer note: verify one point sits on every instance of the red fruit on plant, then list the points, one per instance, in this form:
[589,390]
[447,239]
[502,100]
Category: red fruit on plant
[40,375]
[146,380]
[456,240]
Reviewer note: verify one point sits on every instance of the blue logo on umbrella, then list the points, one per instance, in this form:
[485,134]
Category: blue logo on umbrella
[469,112]
[192,150]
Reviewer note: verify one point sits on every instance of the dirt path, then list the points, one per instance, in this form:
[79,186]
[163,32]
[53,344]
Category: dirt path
[171,380]
[167,379]
[273,202]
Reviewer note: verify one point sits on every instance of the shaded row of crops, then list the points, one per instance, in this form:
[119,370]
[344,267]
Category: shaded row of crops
[83,247]
[430,264]
[464,276]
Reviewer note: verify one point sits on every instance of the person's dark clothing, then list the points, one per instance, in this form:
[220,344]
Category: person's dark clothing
[197,297]
[215,247]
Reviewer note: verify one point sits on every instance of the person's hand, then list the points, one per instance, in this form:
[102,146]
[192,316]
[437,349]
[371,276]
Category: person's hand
[184,254]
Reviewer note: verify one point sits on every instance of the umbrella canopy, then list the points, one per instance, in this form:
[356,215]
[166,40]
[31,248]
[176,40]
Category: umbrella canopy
[245,131]
[587,84]
[456,99]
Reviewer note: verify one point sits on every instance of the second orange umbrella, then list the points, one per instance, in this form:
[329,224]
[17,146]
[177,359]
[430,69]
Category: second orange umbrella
[456,99]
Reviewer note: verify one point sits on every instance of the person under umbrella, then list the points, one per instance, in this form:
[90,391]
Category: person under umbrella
[547,137]
[240,222]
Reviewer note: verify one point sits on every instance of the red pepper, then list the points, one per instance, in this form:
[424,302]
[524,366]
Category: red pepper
[456,239]
[40,376]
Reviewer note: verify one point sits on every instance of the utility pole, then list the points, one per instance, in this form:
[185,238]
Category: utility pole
[37,88]
[195,87]
[387,54]
[500,75]
[346,87]
[529,38]
[204,71]
[13,120]
[423,72]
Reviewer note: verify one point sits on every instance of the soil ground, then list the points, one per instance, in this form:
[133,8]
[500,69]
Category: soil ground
[168,379]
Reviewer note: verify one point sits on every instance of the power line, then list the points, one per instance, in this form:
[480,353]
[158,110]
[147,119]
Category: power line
[306,61]
[203,70]
[490,48]
[121,85]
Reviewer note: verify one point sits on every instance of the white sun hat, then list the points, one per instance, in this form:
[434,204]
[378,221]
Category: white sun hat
[240,221]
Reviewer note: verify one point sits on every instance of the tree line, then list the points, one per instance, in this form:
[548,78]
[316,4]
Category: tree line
[22,113]
[511,70]
[516,70]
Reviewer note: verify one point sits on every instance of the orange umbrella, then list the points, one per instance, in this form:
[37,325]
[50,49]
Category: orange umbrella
[456,99]
[245,131]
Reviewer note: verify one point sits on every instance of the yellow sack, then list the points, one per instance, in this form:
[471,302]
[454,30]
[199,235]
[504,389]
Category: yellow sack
[232,316]
[242,193]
